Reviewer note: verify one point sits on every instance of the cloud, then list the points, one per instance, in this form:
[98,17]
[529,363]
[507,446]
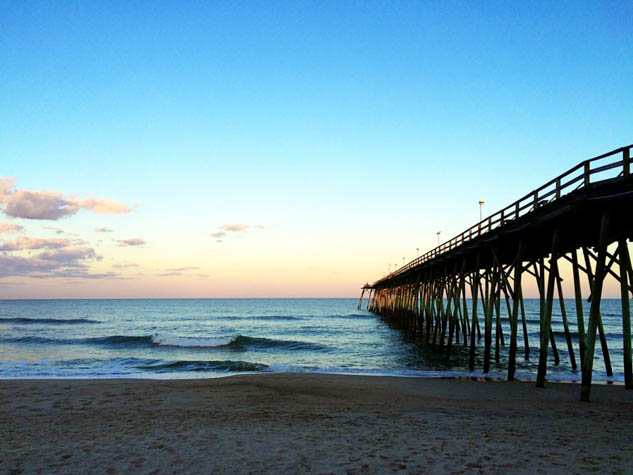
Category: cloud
[234,228]
[50,205]
[29,243]
[24,266]
[125,265]
[103,230]
[225,229]
[69,255]
[5,185]
[177,271]
[131,242]
[37,205]
[80,274]
[11,228]
[54,229]
[103,206]
[65,262]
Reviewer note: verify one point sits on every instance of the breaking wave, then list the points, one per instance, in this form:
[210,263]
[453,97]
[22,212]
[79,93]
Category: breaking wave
[236,343]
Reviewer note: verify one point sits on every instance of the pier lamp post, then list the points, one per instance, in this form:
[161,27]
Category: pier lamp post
[403,261]
[417,252]
[481,203]
[438,237]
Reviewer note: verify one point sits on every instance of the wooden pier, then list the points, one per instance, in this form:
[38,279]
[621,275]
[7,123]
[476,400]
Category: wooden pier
[459,292]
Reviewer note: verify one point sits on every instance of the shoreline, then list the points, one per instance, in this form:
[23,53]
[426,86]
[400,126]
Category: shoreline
[416,374]
[310,423]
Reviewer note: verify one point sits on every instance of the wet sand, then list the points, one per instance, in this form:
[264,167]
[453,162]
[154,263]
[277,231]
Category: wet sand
[311,423]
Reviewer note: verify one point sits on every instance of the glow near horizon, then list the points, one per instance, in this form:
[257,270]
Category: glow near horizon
[351,133]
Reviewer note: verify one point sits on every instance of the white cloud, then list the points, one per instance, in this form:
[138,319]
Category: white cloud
[125,265]
[177,271]
[59,261]
[69,255]
[131,242]
[226,229]
[29,243]
[11,228]
[51,205]
[234,228]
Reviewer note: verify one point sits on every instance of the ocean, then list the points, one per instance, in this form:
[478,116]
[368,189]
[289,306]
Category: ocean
[194,338]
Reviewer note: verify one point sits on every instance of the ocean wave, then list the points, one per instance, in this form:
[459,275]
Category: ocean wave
[30,339]
[190,342]
[355,315]
[47,321]
[128,341]
[161,366]
[114,340]
[237,343]
[122,367]
[295,317]
[289,368]
[265,343]
[263,317]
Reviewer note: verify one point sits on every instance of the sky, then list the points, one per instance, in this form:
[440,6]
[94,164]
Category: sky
[284,149]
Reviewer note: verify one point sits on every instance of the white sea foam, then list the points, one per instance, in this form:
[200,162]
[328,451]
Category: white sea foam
[191,342]
[288,368]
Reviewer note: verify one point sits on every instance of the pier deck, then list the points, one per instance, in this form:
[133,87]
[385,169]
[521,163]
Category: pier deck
[587,210]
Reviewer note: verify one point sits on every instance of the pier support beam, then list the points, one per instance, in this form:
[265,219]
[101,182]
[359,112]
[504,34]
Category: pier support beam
[546,315]
[625,269]
[517,301]
[594,312]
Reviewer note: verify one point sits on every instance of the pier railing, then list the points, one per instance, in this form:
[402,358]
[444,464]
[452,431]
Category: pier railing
[593,170]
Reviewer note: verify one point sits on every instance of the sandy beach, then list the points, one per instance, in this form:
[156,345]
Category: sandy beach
[311,423]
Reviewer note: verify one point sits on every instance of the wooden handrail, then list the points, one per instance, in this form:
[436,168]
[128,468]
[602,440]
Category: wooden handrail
[501,217]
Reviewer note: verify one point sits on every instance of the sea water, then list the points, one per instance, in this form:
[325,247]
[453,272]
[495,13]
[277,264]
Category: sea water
[192,338]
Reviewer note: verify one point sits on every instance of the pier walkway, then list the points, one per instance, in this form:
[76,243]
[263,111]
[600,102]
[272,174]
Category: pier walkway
[454,293]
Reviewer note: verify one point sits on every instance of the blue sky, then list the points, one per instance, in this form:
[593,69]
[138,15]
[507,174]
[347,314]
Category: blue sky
[350,131]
